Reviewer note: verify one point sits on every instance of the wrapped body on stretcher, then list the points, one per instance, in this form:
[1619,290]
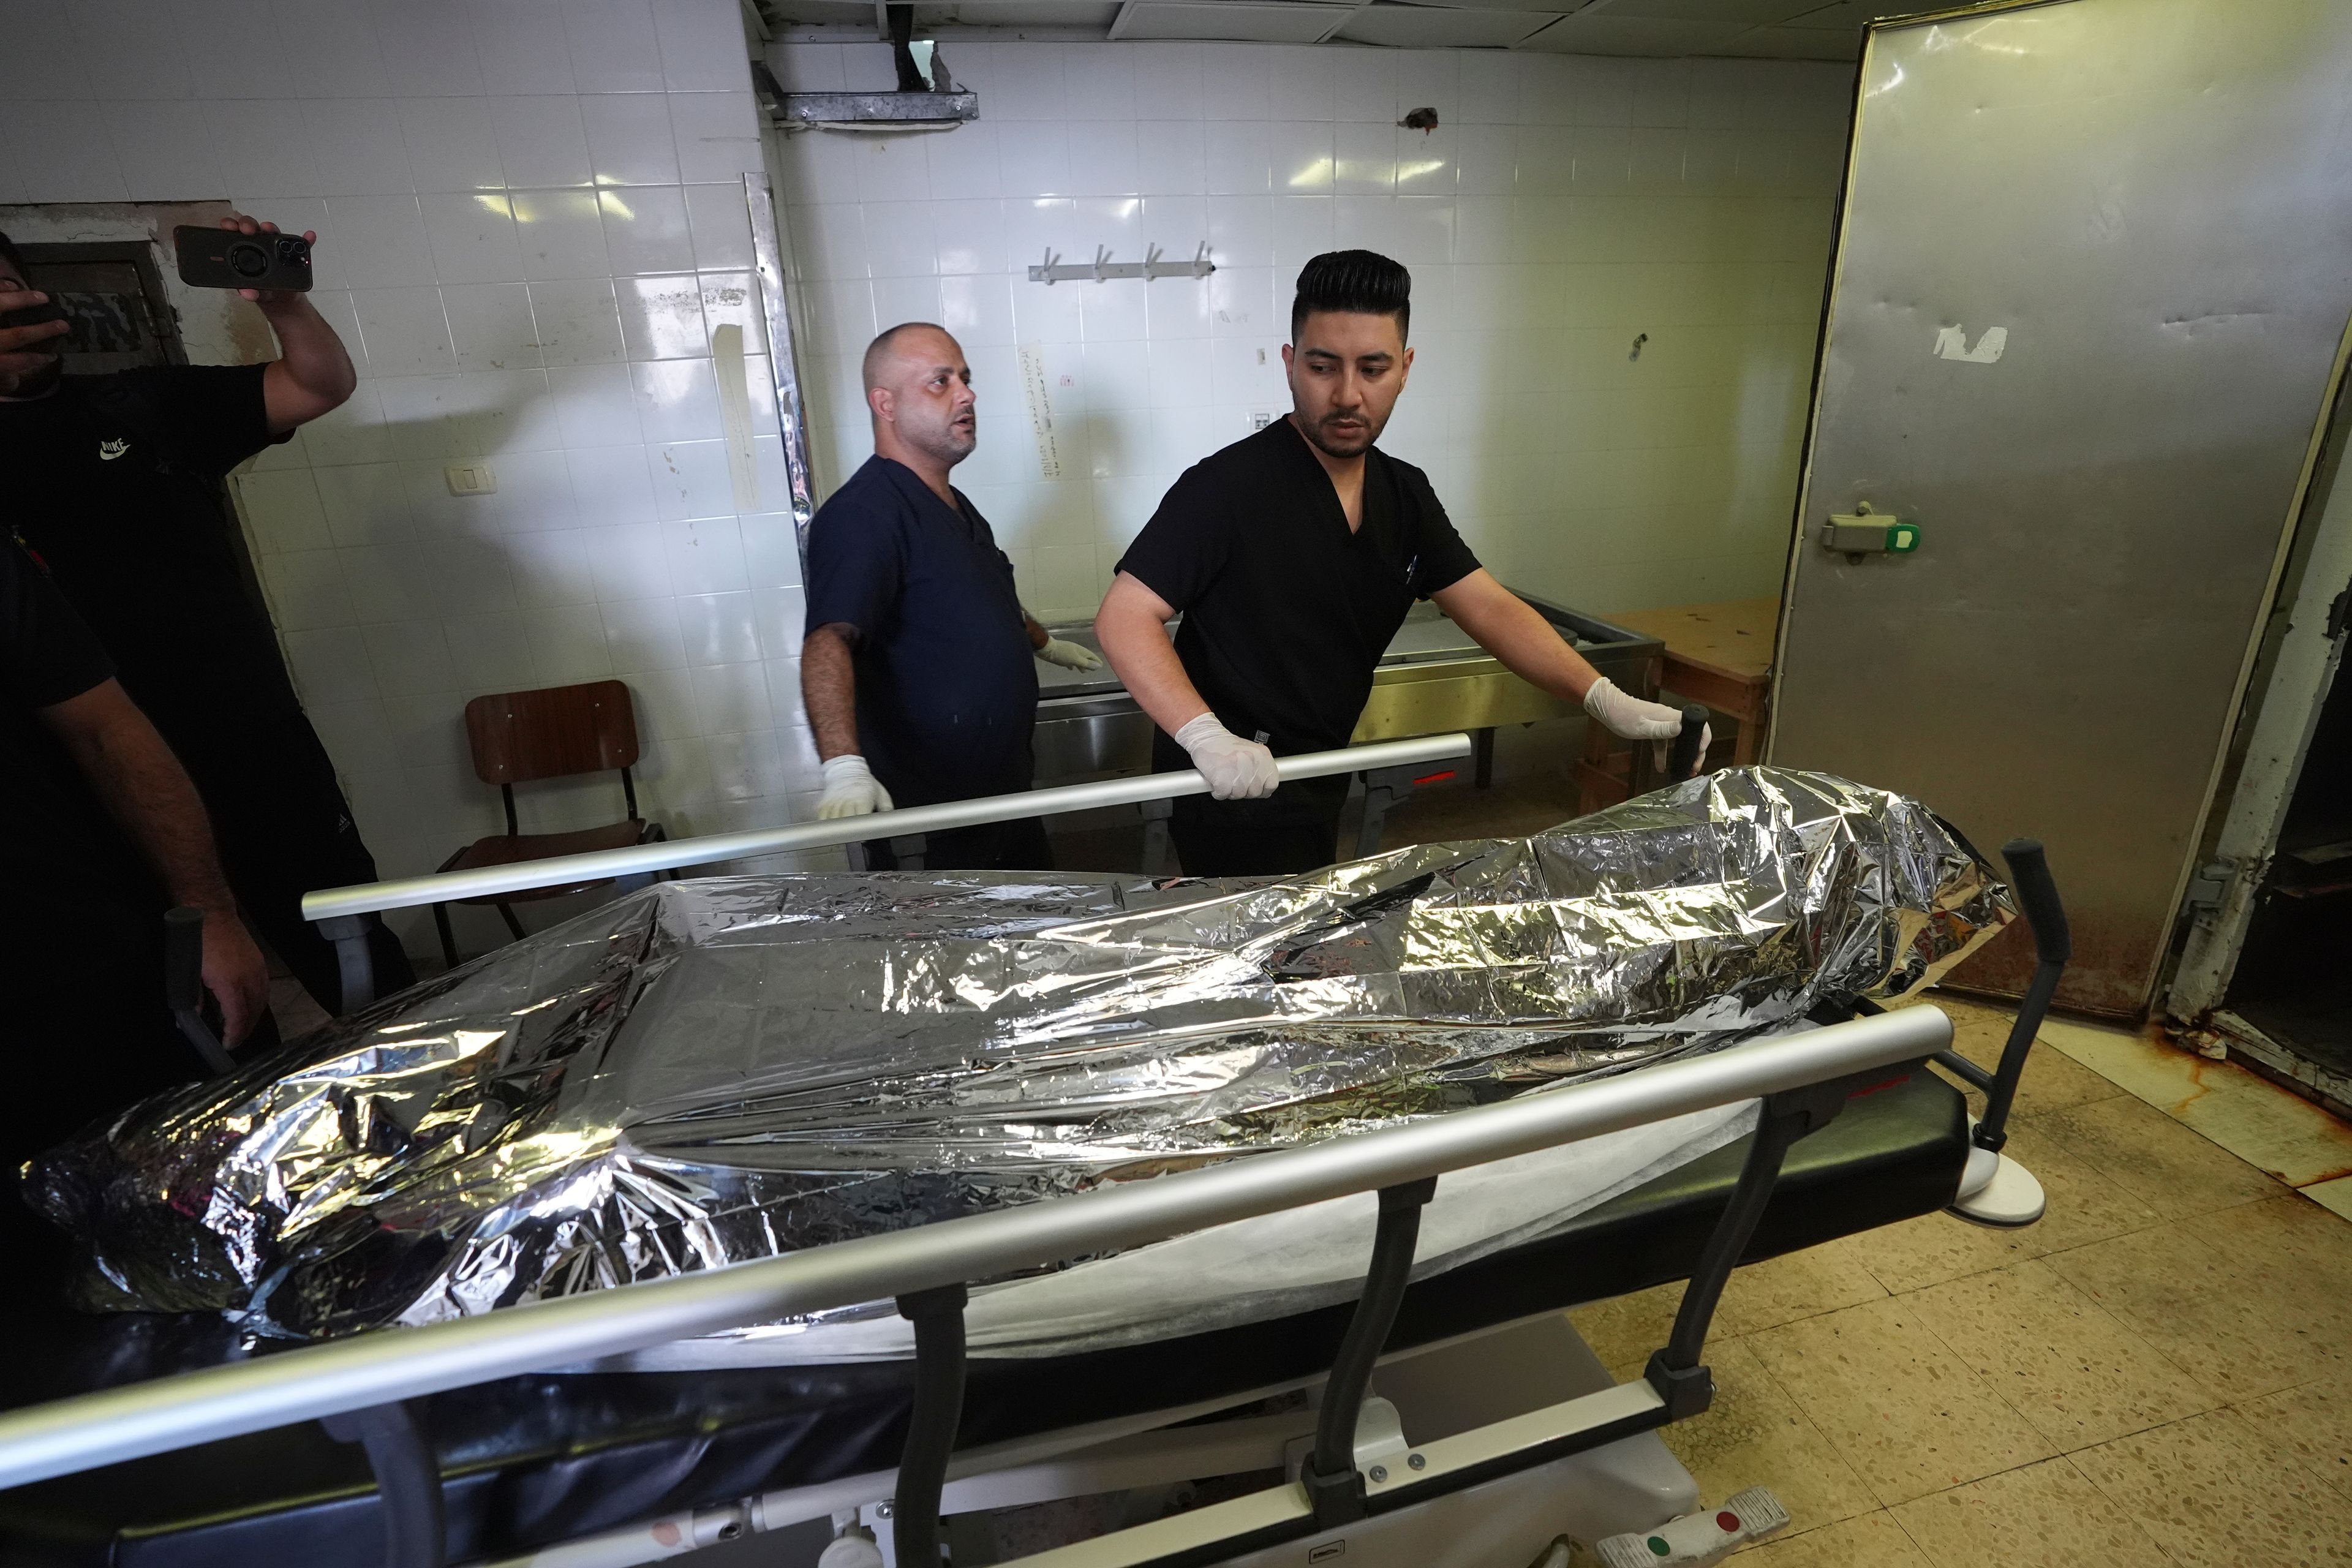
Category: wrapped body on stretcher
[711,1072]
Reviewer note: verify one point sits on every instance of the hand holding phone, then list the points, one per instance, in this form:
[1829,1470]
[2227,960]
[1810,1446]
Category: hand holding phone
[251,258]
[32,330]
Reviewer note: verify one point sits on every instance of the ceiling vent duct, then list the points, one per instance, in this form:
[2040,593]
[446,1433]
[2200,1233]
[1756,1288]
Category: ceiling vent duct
[926,98]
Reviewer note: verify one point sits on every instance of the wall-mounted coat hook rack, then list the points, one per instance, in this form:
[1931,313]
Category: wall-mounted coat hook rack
[1102,269]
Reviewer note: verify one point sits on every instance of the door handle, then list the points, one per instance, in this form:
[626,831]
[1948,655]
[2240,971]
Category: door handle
[1870,534]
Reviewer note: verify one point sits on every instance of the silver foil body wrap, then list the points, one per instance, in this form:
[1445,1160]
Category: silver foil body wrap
[711,1071]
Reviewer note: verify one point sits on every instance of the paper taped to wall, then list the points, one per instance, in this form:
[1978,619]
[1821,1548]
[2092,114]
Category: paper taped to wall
[1041,411]
[1952,343]
[735,414]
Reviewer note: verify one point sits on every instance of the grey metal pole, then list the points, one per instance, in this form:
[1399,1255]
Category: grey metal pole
[783,361]
[374,1368]
[353,957]
[447,886]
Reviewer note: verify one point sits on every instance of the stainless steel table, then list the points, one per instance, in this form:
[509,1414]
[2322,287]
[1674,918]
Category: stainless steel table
[1433,678]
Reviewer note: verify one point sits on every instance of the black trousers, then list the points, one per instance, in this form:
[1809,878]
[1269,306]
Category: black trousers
[990,847]
[1296,829]
[284,830]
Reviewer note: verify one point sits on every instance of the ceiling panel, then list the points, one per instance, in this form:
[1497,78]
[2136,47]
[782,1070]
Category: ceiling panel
[1549,10]
[821,13]
[1442,27]
[1742,12]
[1061,14]
[1230,21]
[1762,29]
[1587,34]
[1849,15]
[1794,44]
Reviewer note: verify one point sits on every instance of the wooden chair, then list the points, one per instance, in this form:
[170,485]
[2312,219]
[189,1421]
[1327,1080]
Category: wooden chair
[558,731]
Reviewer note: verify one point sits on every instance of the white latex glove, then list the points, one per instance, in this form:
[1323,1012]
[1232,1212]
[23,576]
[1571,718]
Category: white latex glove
[1236,769]
[1069,654]
[850,790]
[1631,719]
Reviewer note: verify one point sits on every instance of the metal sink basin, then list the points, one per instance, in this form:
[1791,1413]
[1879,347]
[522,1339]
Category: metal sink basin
[1433,678]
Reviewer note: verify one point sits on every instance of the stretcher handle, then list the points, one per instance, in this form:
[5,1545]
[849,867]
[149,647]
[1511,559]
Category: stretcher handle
[1682,761]
[407,1480]
[183,985]
[2037,895]
[183,959]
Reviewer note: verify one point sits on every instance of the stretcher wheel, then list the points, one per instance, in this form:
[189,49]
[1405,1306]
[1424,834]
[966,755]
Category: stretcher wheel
[2003,1196]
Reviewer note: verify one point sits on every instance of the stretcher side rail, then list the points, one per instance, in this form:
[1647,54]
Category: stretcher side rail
[336,911]
[1338,1486]
[385,1366]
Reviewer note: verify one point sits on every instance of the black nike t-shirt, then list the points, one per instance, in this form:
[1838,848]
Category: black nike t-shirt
[113,482]
[1286,611]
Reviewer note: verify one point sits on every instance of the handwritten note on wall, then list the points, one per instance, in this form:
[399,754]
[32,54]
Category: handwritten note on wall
[1041,411]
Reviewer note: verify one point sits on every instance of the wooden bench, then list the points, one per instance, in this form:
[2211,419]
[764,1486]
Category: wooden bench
[1719,654]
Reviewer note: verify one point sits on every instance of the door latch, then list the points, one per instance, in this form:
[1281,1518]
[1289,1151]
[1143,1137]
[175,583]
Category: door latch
[2210,884]
[1869,533]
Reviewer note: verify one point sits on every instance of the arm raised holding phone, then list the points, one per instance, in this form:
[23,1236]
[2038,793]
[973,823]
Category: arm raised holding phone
[116,483]
[313,375]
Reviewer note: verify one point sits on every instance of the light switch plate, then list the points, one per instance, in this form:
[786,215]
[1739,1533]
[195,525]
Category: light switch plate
[472,479]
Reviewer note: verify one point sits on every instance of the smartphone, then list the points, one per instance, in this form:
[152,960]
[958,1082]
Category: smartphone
[224,259]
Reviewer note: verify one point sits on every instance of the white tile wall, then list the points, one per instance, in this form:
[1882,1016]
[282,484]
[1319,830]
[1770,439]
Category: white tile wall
[513,200]
[531,221]
[1564,207]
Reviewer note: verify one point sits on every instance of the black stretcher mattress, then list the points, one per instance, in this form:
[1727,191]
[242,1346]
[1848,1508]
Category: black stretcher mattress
[532,1461]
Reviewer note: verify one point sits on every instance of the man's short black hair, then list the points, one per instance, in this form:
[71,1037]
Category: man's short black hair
[1362,281]
[13,258]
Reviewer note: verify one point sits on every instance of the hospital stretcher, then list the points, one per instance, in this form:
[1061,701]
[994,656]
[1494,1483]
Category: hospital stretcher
[1455,1419]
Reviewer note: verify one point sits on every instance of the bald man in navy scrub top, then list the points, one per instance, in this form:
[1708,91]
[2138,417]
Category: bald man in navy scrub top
[917,670]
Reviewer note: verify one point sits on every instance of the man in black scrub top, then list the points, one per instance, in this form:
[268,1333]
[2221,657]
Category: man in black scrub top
[916,668]
[105,832]
[115,484]
[1293,556]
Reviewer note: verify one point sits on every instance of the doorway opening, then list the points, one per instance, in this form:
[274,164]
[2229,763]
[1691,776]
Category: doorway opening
[2290,981]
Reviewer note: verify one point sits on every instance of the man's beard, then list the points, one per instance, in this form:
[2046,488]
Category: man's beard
[950,445]
[1337,446]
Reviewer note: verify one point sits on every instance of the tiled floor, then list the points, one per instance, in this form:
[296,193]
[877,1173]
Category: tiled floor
[2160,1371]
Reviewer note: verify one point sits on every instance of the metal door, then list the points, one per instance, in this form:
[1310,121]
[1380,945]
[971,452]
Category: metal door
[2087,314]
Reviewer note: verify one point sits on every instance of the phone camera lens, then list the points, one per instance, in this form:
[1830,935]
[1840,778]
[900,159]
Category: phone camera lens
[247,259]
[290,249]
